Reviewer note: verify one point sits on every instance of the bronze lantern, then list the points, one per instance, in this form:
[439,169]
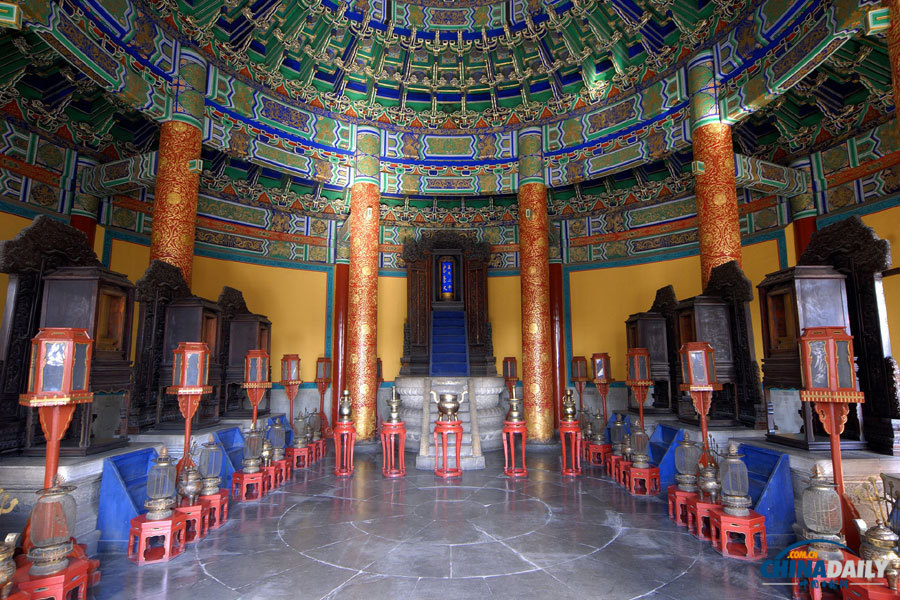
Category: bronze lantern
[253,445]
[50,531]
[277,437]
[640,449]
[687,456]
[617,433]
[735,483]
[821,508]
[160,488]
[210,465]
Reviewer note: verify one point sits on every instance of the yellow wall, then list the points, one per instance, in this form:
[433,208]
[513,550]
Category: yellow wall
[886,224]
[10,225]
[294,300]
[391,317]
[505,313]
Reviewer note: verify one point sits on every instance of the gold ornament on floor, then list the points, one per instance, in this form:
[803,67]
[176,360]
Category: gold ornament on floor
[189,484]
[51,522]
[569,412]
[394,407]
[345,410]
[515,414]
[267,453]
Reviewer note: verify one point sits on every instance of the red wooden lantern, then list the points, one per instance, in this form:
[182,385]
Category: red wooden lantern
[58,380]
[829,382]
[290,379]
[256,377]
[190,373]
[698,372]
[579,377]
[509,374]
[602,378]
[323,380]
[639,376]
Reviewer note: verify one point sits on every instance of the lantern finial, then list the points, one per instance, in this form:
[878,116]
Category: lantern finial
[164,453]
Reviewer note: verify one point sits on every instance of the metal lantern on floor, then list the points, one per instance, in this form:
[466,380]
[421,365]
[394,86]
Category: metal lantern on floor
[627,447]
[300,431]
[256,378]
[276,437]
[210,465]
[617,433]
[698,373]
[253,443]
[599,427]
[58,380]
[314,424]
[160,488]
[687,455]
[821,506]
[708,480]
[735,483]
[50,531]
[640,449]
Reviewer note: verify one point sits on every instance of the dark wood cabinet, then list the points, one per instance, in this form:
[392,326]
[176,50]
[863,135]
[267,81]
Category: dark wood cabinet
[243,332]
[190,319]
[790,301]
[649,330]
[707,319]
[102,302]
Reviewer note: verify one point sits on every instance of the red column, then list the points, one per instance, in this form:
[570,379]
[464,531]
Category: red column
[339,336]
[86,225]
[557,342]
[803,231]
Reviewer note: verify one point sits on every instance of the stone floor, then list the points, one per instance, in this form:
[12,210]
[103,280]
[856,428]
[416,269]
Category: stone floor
[483,536]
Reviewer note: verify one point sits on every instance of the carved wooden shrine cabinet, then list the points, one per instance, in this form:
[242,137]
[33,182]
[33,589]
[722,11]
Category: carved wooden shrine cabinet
[242,331]
[55,280]
[102,302]
[190,319]
[855,251]
[446,271]
[790,301]
[649,330]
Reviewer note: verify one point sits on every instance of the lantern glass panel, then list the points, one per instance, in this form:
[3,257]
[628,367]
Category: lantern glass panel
[51,519]
[210,461]
[617,432]
[685,369]
[711,367]
[698,367]
[640,442]
[642,361]
[52,372]
[79,369]
[632,369]
[35,353]
[687,457]
[735,481]
[264,369]
[176,370]
[321,369]
[599,371]
[818,364]
[206,370]
[844,365]
[253,445]
[161,481]
[193,369]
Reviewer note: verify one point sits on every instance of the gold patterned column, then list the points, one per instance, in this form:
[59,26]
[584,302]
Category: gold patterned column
[178,169]
[718,222]
[362,306]
[534,266]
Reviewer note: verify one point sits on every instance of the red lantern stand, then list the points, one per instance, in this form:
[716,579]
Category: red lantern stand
[290,380]
[393,443]
[579,377]
[323,380]
[698,371]
[725,528]
[639,377]
[510,430]
[443,430]
[597,453]
[509,375]
[56,407]
[570,438]
[679,504]
[620,471]
[829,382]
[217,505]
[256,378]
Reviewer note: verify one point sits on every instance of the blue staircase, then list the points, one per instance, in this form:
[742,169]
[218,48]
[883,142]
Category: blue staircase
[449,347]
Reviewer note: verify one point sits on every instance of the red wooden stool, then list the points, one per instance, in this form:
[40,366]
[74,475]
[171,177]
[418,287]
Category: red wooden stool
[344,441]
[813,588]
[621,472]
[862,589]
[698,514]
[610,462]
[678,504]
[142,531]
[300,458]
[71,582]
[196,521]
[270,478]
[570,440]
[510,430]
[218,508]
[643,482]
[323,448]
[249,486]
[727,531]
[283,465]
[596,453]
[393,445]
[443,429]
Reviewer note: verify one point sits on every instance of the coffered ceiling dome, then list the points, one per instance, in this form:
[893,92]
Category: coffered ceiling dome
[450,64]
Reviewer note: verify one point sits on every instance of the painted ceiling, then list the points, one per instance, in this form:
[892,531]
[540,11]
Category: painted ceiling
[449,84]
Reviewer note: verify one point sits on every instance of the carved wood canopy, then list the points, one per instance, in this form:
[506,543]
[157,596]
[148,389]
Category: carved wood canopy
[416,250]
[46,244]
